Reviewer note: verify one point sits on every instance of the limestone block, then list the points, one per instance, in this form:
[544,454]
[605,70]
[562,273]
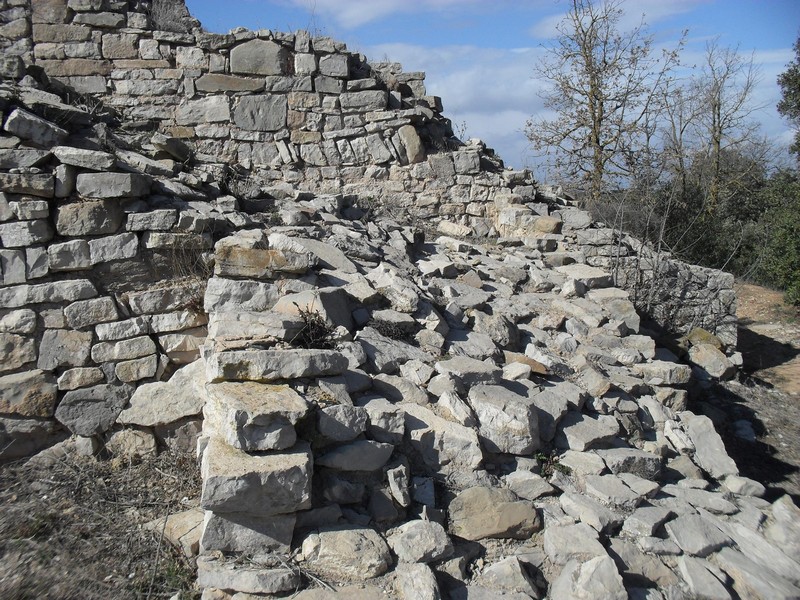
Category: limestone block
[245,533]
[79,377]
[214,573]
[114,247]
[69,256]
[710,359]
[64,348]
[481,512]
[22,158]
[595,578]
[416,581]
[27,209]
[591,277]
[261,113]
[444,447]
[214,82]
[91,411]
[259,57]
[527,485]
[18,234]
[507,421]
[211,109]
[509,577]
[41,185]
[59,291]
[363,101]
[259,485]
[164,402]
[128,328]
[334,65]
[162,300]
[350,554]
[94,160]
[18,321]
[254,416]
[12,267]
[112,185]
[91,312]
[662,372]
[123,350]
[49,11]
[696,536]
[269,365]
[420,541]
[632,460]
[710,454]
[342,423]
[120,45]
[233,261]
[582,432]
[28,394]
[96,217]
[129,371]
[361,455]
[563,543]
[34,128]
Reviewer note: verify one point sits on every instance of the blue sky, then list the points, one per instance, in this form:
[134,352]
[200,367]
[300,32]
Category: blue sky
[478,54]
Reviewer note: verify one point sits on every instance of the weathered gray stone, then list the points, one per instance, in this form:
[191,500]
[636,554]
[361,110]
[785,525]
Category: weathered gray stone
[582,432]
[444,447]
[91,312]
[256,263]
[710,359]
[700,579]
[589,511]
[507,421]
[59,291]
[33,128]
[420,541]
[751,580]
[594,579]
[123,350]
[28,394]
[259,57]
[215,82]
[564,543]
[113,247]
[254,416]
[91,411]
[710,454]
[211,109]
[19,234]
[16,351]
[416,581]
[631,460]
[64,348]
[160,403]
[131,443]
[470,371]
[662,372]
[258,485]
[612,491]
[129,371]
[508,576]
[639,568]
[112,185]
[163,300]
[79,377]
[696,536]
[22,158]
[386,355]
[361,455]
[646,520]
[18,321]
[261,113]
[69,256]
[245,533]
[40,185]
[89,218]
[213,573]
[480,512]
[527,485]
[349,554]
[94,160]
[342,423]
[269,365]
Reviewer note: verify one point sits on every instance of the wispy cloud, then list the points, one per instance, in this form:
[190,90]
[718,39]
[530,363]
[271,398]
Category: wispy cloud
[355,13]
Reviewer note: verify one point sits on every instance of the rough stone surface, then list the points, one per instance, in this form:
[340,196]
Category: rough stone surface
[481,512]
[349,554]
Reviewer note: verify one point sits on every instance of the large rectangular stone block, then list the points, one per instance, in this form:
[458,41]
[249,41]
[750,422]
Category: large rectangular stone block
[41,185]
[261,113]
[260,485]
[95,217]
[259,57]
[364,101]
[245,533]
[112,185]
[213,109]
[270,365]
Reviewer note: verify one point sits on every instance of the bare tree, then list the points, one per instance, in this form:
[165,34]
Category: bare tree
[605,84]
[723,94]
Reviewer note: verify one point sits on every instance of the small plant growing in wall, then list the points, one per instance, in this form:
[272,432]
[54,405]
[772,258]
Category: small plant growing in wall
[548,464]
[315,332]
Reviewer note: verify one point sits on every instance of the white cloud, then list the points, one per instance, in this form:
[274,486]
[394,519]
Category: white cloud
[354,13]
[653,11]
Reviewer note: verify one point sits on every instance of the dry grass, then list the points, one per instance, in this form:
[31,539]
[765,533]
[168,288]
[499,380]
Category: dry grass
[74,529]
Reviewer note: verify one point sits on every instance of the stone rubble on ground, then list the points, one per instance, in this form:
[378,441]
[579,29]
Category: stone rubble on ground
[466,408]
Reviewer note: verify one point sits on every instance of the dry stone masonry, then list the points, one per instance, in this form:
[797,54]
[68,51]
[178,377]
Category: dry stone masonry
[217,243]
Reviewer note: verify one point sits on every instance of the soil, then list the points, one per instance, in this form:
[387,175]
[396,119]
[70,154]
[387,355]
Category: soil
[73,529]
[766,394]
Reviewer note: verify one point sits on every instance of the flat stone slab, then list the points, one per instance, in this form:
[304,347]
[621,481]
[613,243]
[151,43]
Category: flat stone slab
[254,416]
[259,485]
[347,553]
[247,533]
[563,543]
[591,277]
[481,512]
[215,573]
[91,411]
[580,432]
[112,185]
[420,541]
[696,536]
[362,455]
[269,365]
[507,422]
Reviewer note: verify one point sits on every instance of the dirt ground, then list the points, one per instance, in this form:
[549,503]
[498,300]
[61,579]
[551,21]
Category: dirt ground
[767,394]
[73,529]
